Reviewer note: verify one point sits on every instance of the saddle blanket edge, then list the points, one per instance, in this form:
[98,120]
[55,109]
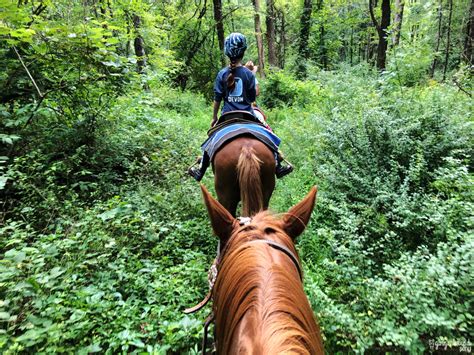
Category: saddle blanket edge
[222,136]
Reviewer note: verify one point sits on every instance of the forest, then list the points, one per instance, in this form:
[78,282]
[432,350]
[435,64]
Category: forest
[105,239]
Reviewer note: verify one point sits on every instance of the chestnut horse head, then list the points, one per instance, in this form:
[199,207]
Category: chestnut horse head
[244,170]
[259,303]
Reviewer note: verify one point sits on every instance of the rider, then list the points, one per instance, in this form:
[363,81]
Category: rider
[236,85]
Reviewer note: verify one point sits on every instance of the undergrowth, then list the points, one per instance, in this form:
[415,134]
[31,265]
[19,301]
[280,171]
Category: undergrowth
[106,240]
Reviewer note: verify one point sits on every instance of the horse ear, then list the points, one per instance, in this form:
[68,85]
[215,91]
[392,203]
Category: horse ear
[297,218]
[222,222]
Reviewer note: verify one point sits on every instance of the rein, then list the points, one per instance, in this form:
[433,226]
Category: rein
[213,273]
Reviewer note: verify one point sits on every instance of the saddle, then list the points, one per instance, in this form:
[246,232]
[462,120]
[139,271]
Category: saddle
[232,117]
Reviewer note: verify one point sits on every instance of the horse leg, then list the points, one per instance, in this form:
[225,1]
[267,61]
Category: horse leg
[267,174]
[267,193]
[227,188]
[230,202]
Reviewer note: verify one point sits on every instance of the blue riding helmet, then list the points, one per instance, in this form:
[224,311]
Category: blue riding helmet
[235,45]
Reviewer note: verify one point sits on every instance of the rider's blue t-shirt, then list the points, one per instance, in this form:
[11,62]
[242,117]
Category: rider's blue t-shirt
[243,94]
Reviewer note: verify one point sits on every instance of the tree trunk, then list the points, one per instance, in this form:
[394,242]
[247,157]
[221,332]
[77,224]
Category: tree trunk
[139,45]
[369,49]
[469,41]
[448,40]
[270,21]
[397,21]
[438,38]
[303,51]
[322,40]
[351,46]
[382,31]
[219,27]
[128,44]
[282,37]
[324,56]
[258,35]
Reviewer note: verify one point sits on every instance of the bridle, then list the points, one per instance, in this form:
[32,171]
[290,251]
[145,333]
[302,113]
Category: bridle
[213,272]
[283,249]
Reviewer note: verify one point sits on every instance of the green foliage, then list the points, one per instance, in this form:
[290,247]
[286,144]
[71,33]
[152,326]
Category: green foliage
[101,282]
[281,89]
[104,240]
[96,279]
[409,65]
[387,254]
[383,166]
[108,243]
[418,297]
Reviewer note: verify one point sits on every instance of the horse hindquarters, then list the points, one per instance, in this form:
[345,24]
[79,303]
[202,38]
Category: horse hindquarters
[244,169]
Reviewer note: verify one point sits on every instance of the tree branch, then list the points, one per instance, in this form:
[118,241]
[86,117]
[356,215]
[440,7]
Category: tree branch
[372,16]
[38,104]
[39,9]
[461,88]
[28,72]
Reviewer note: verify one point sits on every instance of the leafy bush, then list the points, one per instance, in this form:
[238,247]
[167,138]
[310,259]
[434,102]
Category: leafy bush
[420,297]
[408,66]
[387,252]
[380,160]
[281,89]
[106,282]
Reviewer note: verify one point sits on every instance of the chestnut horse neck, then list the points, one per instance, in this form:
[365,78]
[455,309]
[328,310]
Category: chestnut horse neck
[259,303]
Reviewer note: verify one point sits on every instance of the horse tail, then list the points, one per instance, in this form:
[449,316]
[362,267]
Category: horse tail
[248,170]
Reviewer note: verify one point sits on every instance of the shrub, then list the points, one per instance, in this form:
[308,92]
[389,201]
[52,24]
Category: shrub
[385,255]
[282,89]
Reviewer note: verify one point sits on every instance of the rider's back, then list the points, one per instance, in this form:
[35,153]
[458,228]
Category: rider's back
[241,96]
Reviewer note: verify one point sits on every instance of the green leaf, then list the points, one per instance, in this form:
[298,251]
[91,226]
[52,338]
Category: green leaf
[8,139]
[16,255]
[3,182]
[4,316]
[23,34]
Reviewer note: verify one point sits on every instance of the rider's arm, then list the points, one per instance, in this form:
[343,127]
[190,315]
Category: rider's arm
[218,96]
[251,88]
[215,111]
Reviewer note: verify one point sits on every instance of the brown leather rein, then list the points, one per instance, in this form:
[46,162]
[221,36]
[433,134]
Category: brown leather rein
[213,271]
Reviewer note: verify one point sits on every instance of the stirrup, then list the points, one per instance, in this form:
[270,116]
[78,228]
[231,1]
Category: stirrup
[195,173]
[282,171]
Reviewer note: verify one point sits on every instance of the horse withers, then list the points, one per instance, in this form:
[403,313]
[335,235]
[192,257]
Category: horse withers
[259,303]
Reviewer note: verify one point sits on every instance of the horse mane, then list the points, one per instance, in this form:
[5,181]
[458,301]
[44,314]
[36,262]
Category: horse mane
[250,282]
[251,194]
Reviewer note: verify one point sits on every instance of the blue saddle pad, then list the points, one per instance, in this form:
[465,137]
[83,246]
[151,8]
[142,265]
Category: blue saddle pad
[222,136]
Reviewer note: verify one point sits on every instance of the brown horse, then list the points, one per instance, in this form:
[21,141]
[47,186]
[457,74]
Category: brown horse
[259,303]
[244,170]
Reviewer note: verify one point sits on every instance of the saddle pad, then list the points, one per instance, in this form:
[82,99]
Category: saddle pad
[222,136]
